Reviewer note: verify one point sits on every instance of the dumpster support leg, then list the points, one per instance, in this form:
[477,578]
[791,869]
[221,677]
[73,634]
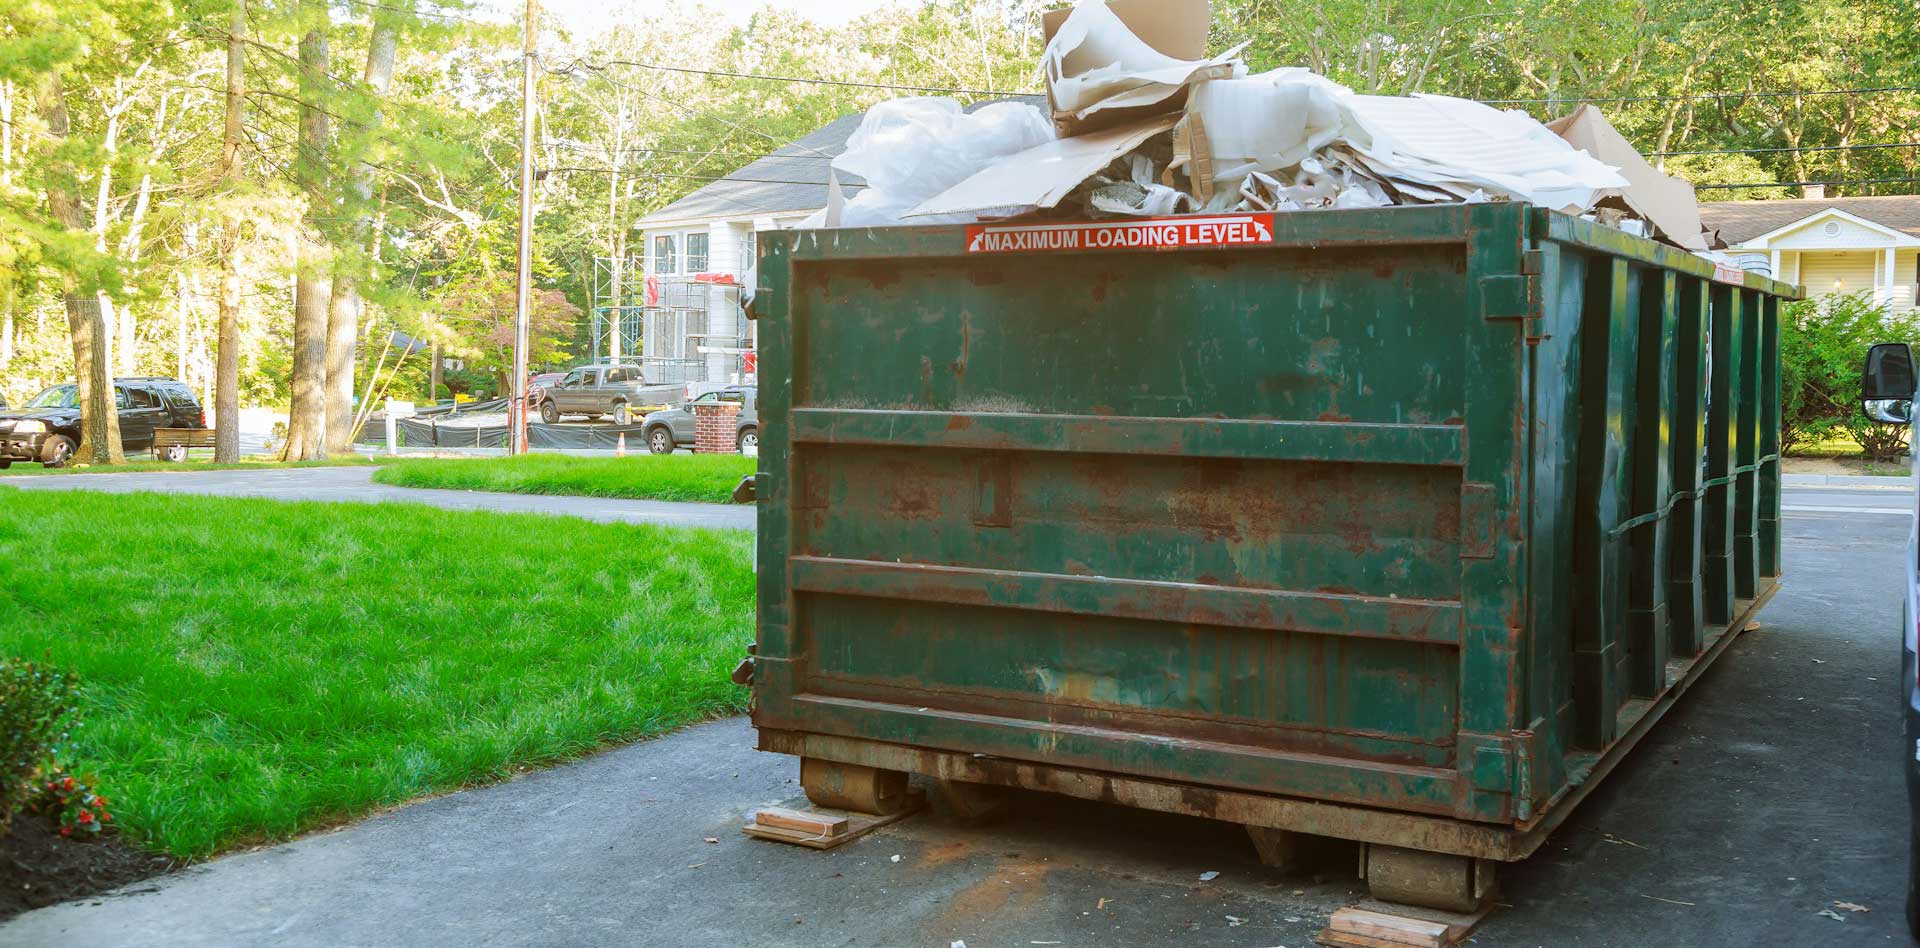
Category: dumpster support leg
[1433,880]
[854,787]
[971,802]
[1278,848]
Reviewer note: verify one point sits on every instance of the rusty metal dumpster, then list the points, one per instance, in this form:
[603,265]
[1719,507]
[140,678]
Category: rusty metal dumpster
[1399,525]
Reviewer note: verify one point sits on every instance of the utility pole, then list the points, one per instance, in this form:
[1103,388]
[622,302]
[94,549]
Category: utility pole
[523,311]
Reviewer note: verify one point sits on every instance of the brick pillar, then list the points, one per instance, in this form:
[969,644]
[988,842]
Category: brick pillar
[713,428]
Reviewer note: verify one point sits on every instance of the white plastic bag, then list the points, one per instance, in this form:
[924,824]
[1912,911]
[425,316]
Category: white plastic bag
[909,150]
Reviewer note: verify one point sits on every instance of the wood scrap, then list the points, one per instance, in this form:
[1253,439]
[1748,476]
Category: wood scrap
[1373,924]
[800,823]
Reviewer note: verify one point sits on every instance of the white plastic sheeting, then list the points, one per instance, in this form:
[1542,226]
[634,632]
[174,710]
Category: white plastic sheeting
[909,150]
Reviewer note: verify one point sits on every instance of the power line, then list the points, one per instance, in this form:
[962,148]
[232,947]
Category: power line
[751,155]
[807,80]
[568,71]
[847,83]
[1799,184]
[1784,148]
[697,177]
[1771,94]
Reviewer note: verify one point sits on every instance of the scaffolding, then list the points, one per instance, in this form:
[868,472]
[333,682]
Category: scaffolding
[621,309]
[680,329]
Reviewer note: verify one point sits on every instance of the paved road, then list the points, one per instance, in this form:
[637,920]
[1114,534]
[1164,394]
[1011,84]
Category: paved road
[355,484]
[1773,791]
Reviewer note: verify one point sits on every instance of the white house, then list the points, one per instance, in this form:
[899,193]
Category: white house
[1829,245]
[700,255]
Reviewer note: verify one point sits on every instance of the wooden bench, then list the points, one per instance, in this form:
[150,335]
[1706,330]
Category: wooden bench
[188,438]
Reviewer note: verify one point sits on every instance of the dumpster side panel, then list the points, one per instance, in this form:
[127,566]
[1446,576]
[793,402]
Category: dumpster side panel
[1425,509]
[1194,515]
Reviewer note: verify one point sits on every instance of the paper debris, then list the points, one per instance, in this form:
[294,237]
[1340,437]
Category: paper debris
[1041,176]
[896,857]
[1851,907]
[1209,876]
[1096,62]
[1666,201]
[1830,913]
[1156,128]
[1235,921]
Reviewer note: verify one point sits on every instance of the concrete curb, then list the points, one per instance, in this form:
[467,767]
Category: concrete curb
[1899,482]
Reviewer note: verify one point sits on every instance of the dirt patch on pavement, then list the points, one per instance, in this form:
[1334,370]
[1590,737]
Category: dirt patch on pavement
[1012,884]
[39,867]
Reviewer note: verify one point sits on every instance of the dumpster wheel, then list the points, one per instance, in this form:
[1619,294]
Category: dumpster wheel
[1434,880]
[854,787]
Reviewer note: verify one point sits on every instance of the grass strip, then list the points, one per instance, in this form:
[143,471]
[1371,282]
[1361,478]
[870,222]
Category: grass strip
[254,669]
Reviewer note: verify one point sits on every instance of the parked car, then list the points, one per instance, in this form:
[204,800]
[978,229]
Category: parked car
[674,427]
[1887,396]
[47,428]
[598,390]
[537,386]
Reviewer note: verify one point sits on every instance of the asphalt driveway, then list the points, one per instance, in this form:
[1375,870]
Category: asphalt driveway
[1770,794]
[355,485]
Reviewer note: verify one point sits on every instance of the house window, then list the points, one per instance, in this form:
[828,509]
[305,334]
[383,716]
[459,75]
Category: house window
[750,250]
[664,261]
[696,253]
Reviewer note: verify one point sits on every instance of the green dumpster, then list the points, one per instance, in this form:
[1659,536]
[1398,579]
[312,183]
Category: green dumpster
[1397,525]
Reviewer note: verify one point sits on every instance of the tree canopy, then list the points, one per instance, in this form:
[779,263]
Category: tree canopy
[374,157]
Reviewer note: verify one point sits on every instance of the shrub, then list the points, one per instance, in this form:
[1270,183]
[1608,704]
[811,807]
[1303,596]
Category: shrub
[72,803]
[1823,344]
[36,711]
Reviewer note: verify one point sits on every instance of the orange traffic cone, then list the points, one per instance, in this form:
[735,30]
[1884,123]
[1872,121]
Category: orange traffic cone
[620,450]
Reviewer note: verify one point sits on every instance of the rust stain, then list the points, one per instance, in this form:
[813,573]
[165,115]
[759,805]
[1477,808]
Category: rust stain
[1013,885]
[959,423]
[879,275]
[945,853]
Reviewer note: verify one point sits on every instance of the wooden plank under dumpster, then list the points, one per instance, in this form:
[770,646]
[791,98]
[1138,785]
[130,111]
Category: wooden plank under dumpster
[1397,525]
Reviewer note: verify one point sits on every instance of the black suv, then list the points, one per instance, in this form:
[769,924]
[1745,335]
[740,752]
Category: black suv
[47,428]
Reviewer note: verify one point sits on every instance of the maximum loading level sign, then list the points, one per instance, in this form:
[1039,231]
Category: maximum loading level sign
[1155,233]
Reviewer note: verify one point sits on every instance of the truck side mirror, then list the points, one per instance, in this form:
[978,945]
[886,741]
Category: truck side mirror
[1887,384]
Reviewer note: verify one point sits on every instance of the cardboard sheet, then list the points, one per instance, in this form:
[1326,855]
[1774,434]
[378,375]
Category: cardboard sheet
[1042,176]
[1667,202]
[1128,59]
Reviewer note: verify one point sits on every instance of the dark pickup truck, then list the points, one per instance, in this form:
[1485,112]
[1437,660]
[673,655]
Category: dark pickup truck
[47,428]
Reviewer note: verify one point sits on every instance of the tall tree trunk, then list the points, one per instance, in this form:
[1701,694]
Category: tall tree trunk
[226,373]
[343,316]
[99,419]
[313,284]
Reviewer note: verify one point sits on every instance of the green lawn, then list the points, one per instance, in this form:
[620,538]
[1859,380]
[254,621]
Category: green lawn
[254,669]
[260,462]
[697,477]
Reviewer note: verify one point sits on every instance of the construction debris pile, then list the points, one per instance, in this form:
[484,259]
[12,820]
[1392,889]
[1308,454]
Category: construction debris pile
[1144,124]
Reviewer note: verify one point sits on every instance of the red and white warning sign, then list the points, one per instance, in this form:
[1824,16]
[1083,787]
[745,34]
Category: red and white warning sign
[1152,233]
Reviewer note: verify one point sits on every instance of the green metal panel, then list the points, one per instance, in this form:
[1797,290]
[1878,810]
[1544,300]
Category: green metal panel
[1403,508]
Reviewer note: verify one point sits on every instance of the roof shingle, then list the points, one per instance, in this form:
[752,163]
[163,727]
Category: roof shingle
[1741,221]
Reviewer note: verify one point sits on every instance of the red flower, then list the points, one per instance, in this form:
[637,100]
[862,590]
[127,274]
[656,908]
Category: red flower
[66,831]
[68,784]
[100,800]
[106,817]
[86,817]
